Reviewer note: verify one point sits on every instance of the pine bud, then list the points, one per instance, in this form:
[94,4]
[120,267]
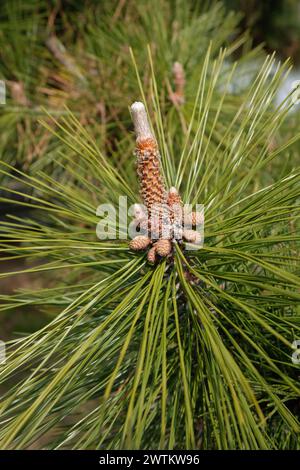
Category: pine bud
[174,197]
[139,243]
[177,97]
[148,160]
[163,247]
[151,257]
[18,93]
[175,205]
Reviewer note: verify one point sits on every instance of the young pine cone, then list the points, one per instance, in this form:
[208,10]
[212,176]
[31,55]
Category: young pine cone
[139,243]
[163,247]
[151,256]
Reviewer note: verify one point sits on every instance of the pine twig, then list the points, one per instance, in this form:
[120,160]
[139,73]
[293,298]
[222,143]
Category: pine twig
[165,218]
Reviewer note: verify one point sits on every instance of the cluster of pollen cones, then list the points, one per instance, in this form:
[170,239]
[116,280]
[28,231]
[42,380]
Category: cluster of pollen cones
[162,219]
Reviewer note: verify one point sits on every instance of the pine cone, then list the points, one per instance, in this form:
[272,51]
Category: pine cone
[151,257]
[163,247]
[139,243]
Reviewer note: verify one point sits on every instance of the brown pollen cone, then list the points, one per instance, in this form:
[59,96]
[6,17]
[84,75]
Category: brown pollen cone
[175,204]
[149,172]
[148,169]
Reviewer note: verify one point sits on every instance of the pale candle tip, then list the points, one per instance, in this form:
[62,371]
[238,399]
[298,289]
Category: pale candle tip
[140,121]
